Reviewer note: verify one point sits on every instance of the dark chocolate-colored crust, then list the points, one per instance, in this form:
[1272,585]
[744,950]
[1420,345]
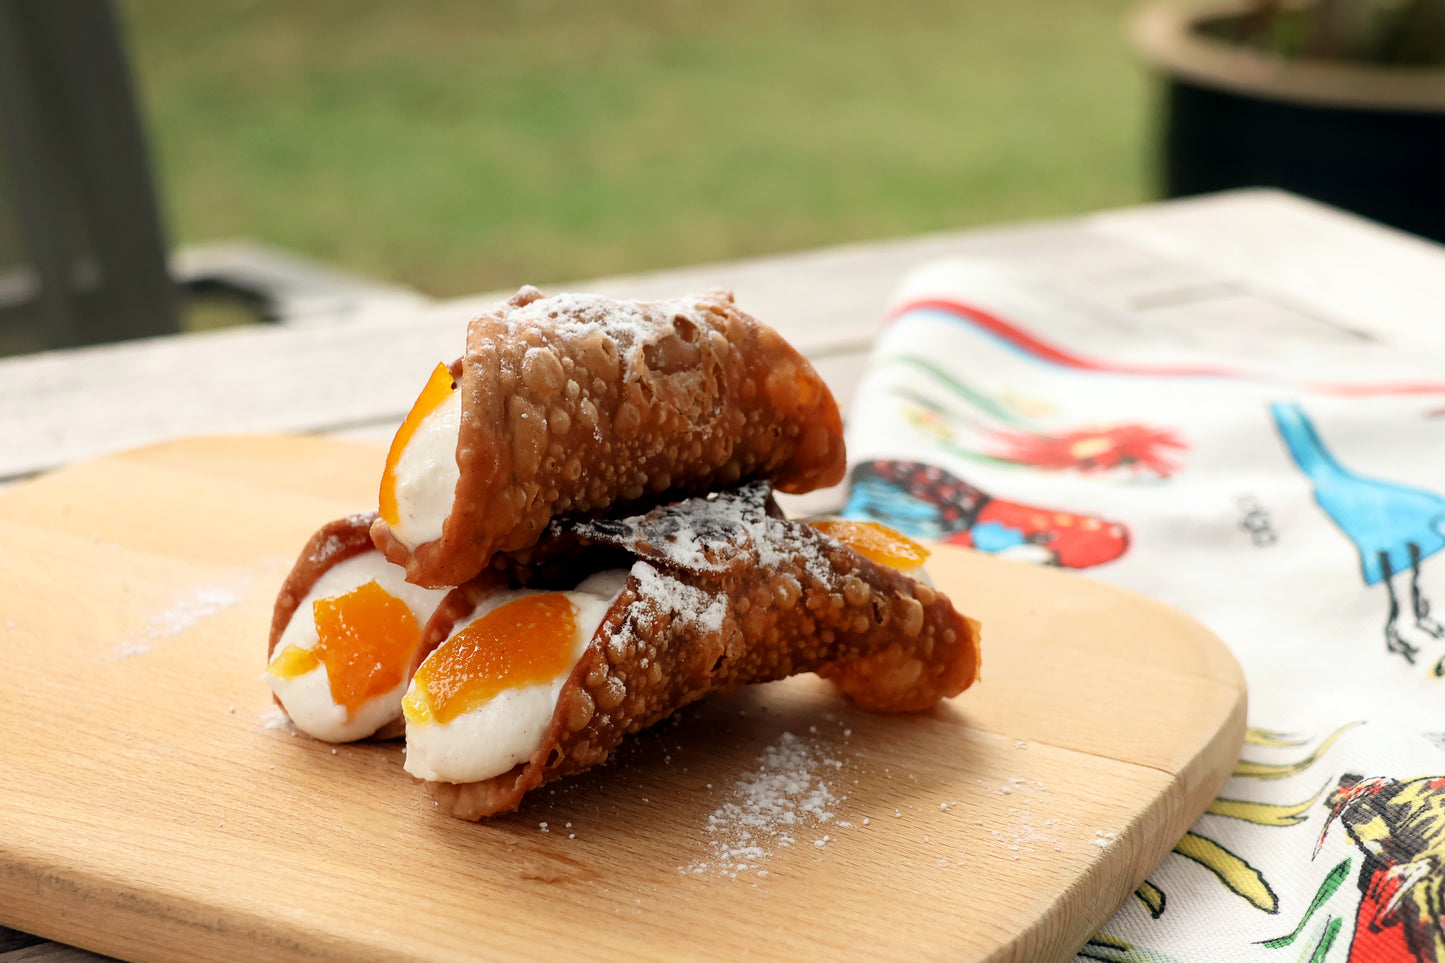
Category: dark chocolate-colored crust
[723,594]
[579,405]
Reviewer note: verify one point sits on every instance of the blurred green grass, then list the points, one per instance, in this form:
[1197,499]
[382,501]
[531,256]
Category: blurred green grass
[462,146]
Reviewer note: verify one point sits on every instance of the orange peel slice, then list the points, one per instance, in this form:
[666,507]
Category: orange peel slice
[876,542]
[438,388]
[525,642]
[366,639]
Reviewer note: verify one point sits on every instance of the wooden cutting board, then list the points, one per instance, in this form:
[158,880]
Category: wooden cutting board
[153,806]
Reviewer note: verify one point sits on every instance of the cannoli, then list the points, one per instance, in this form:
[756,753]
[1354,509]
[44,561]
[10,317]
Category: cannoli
[346,636]
[698,597]
[578,404]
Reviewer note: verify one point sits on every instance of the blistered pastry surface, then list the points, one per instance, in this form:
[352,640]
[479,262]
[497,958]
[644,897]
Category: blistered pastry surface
[333,544]
[724,594]
[577,403]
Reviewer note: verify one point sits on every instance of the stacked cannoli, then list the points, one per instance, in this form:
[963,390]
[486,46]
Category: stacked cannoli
[577,537]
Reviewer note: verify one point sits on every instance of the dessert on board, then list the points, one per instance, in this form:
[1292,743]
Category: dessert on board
[577,537]
[573,404]
[346,635]
[696,597]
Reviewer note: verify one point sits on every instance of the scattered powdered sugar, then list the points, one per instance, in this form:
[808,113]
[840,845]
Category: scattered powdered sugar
[631,325]
[334,543]
[769,808]
[684,602]
[188,611]
[706,534]
[744,522]
[718,533]
[1015,784]
[329,546]
[275,718]
[1020,835]
[184,613]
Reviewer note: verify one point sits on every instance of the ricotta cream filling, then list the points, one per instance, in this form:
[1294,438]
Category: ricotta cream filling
[427,474]
[307,697]
[492,738]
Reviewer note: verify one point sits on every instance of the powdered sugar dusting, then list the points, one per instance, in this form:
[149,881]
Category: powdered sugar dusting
[770,807]
[630,324]
[275,718]
[333,543]
[717,533]
[684,602]
[329,546]
[186,612]
[190,609]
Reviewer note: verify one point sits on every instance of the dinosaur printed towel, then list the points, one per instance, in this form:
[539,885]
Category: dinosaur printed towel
[1285,485]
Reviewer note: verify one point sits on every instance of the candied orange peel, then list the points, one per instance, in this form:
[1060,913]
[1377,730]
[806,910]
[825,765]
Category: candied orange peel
[438,389]
[526,642]
[293,661]
[365,638]
[875,542]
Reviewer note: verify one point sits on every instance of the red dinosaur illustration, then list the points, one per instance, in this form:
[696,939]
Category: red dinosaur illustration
[926,501]
[1400,827]
[1092,450]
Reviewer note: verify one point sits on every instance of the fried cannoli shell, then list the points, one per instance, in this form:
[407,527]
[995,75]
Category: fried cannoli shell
[574,404]
[333,544]
[708,612]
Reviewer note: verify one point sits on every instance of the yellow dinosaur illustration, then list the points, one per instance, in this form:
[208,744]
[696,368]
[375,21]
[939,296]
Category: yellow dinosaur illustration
[1237,875]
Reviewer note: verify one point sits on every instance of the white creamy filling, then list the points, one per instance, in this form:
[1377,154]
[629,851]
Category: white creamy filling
[426,475]
[492,738]
[307,697]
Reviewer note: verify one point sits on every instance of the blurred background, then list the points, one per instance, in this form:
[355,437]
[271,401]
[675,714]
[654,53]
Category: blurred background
[448,148]
[455,147]
[461,146]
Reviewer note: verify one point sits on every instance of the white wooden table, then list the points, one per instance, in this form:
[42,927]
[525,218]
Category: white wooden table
[1249,256]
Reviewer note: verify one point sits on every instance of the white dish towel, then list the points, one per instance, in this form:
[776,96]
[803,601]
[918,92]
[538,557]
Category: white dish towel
[1285,485]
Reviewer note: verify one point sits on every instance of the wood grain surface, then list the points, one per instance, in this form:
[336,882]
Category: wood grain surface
[153,807]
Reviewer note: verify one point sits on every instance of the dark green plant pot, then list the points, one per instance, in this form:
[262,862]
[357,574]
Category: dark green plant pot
[1369,140]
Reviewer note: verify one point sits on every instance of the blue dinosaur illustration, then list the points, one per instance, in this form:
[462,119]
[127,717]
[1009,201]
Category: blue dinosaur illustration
[1394,527]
